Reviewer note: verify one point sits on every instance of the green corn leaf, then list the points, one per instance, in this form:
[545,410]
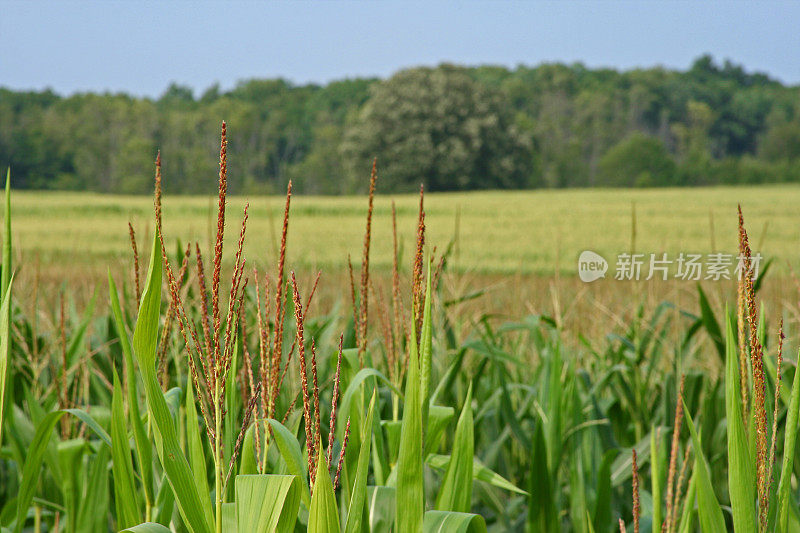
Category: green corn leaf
[554,403]
[688,512]
[480,472]
[709,321]
[247,463]
[449,522]
[449,378]
[455,493]
[145,340]
[33,463]
[578,506]
[144,450]
[410,483]
[380,451]
[267,503]
[228,514]
[5,309]
[741,480]
[709,511]
[93,506]
[542,510]
[790,440]
[380,507]
[77,338]
[147,527]
[292,454]
[145,335]
[355,415]
[125,495]
[91,423]
[229,519]
[602,510]
[354,386]
[655,476]
[5,351]
[392,430]
[355,511]
[323,515]
[20,422]
[439,418]
[70,453]
[425,351]
[165,502]
[194,446]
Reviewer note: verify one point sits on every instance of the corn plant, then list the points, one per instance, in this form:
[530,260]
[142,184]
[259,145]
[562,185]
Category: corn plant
[193,403]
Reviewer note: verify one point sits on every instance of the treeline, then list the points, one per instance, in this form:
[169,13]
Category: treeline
[450,127]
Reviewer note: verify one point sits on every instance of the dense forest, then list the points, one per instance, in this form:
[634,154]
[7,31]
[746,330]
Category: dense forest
[450,127]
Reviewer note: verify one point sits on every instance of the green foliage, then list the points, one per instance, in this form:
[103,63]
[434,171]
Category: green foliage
[5,352]
[637,161]
[741,475]
[176,467]
[5,307]
[144,452]
[454,128]
[194,445]
[355,511]
[436,521]
[455,493]
[147,527]
[709,511]
[125,494]
[292,455]
[788,455]
[441,127]
[323,516]
[33,464]
[267,503]
[410,481]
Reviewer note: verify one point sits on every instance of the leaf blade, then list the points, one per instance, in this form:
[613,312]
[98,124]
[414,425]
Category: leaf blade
[455,493]
[125,495]
[145,340]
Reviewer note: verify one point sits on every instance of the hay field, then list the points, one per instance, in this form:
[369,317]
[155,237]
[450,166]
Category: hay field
[532,232]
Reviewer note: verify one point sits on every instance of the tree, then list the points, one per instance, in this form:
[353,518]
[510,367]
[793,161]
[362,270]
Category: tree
[177,96]
[449,127]
[781,142]
[441,127]
[638,161]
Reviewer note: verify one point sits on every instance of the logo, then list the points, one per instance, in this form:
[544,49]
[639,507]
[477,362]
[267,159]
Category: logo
[591,266]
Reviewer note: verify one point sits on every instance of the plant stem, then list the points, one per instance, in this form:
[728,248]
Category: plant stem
[263,462]
[217,471]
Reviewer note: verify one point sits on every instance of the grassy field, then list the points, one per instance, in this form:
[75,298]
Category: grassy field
[531,232]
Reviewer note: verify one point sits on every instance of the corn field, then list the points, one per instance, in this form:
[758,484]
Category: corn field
[208,395]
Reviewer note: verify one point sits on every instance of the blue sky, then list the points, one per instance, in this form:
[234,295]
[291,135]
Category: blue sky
[140,47]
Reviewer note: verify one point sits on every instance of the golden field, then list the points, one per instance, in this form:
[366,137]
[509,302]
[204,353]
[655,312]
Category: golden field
[531,232]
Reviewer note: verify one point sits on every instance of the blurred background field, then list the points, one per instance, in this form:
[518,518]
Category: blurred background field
[513,252]
[525,232]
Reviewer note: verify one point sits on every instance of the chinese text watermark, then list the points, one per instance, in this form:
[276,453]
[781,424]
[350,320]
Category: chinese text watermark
[683,266]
